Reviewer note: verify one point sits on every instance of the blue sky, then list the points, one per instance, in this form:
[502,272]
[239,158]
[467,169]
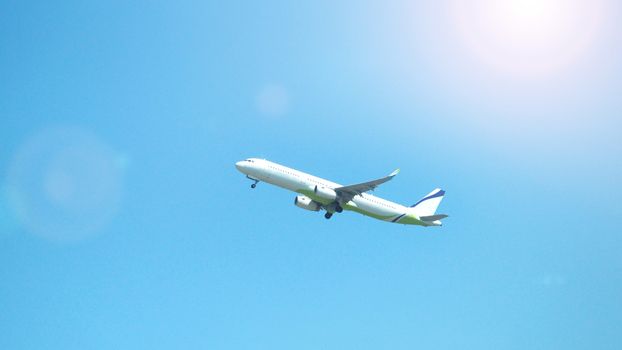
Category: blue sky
[124,224]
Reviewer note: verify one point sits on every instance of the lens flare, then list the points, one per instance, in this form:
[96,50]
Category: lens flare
[64,184]
[272,100]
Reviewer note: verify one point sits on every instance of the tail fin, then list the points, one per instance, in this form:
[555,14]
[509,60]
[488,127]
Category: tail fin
[428,204]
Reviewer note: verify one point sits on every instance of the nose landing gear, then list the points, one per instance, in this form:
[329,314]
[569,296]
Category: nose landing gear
[256,181]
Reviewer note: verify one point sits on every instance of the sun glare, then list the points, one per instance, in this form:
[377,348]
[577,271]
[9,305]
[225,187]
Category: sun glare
[527,36]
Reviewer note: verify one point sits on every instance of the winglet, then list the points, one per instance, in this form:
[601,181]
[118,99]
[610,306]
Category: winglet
[395,172]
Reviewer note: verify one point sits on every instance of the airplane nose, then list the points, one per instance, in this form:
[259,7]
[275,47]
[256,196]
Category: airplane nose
[240,165]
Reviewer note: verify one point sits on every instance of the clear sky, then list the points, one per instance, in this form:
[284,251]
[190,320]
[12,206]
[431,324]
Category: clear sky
[124,224]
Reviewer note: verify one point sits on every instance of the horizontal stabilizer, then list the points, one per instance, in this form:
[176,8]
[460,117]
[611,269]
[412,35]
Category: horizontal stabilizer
[433,217]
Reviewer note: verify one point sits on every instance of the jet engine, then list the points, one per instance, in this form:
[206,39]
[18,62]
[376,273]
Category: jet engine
[305,202]
[325,193]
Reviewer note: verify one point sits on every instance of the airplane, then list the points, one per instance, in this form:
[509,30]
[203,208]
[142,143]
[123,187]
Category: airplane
[317,194]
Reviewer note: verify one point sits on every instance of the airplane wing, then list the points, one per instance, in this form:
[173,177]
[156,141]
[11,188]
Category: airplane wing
[348,192]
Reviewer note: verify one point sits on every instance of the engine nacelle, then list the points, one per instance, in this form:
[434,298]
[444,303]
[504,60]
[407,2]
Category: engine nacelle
[325,193]
[305,202]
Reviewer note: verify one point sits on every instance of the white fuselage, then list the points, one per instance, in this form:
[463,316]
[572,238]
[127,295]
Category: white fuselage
[303,183]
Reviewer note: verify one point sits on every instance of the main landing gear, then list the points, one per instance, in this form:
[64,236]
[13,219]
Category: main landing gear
[331,209]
